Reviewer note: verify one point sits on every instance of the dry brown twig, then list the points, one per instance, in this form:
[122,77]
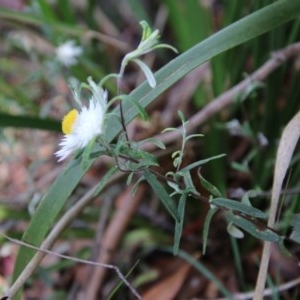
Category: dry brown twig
[75,259]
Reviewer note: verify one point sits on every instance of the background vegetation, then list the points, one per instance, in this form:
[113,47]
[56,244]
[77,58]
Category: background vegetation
[135,232]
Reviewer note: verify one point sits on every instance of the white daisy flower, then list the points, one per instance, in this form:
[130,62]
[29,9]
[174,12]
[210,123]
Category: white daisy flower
[80,127]
[68,53]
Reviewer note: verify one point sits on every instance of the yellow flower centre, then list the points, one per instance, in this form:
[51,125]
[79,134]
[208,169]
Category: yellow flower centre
[68,121]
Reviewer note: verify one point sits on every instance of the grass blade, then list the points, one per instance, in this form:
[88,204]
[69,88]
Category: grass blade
[7,120]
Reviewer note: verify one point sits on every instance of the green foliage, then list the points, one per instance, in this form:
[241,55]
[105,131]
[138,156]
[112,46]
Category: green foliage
[207,222]
[179,223]
[208,186]
[7,120]
[174,187]
[239,206]
[162,194]
[295,235]
[264,234]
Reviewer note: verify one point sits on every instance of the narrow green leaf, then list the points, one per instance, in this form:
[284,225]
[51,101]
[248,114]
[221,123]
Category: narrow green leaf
[239,206]
[141,111]
[201,162]
[208,219]
[141,165]
[143,158]
[104,180]
[170,129]
[189,184]
[86,155]
[161,194]
[179,224]
[245,198]
[67,11]
[7,120]
[175,153]
[181,116]
[235,231]
[154,141]
[147,72]
[208,186]
[136,184]
[46,11]
[250,227]
[129,178]
[193,136]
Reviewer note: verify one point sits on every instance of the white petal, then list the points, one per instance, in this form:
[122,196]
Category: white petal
[88,125]
[68,145]
[68,53]
[148,73]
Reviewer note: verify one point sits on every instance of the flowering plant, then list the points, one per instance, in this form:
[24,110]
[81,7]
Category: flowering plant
[90,131]
[83,126]
[68,53]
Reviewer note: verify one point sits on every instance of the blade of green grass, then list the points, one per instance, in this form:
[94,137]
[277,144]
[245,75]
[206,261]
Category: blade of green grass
[67,11]
[235,34]
[7,120]
[190,21]
[46,11]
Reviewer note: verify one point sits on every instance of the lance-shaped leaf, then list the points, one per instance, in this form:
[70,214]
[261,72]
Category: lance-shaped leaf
[162,194]
[206,226]
[208,186]
[250,227]
[179,224]
[200,163]
[239,206]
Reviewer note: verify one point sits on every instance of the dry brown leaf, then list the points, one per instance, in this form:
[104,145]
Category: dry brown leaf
[288,141]
[168,288]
